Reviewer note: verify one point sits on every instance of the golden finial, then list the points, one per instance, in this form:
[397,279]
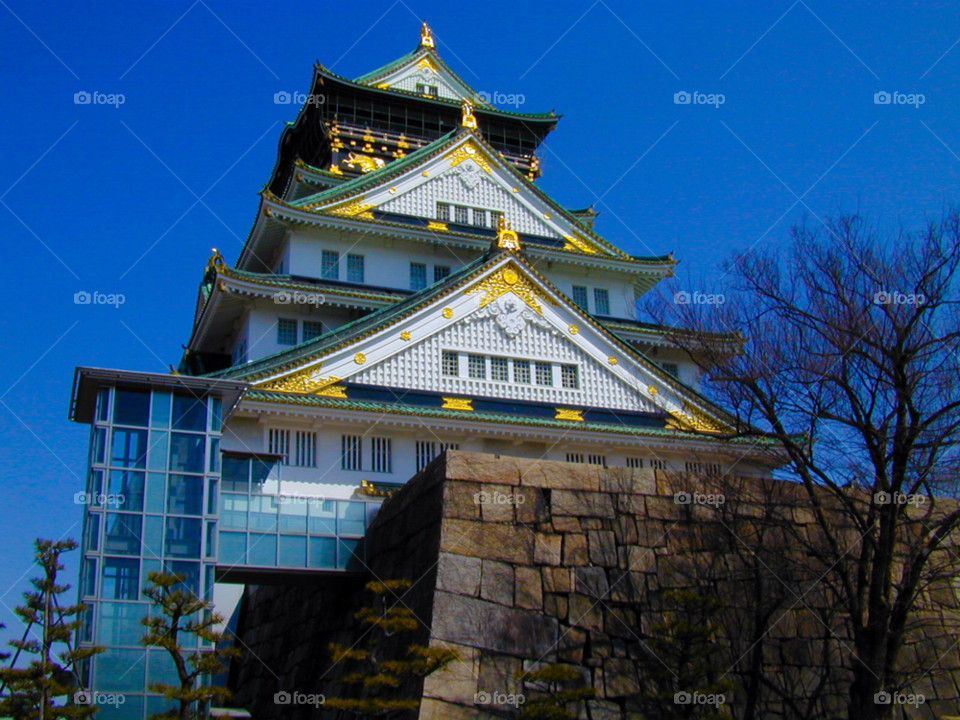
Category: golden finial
[468,121]
[506,238]
[426,36]
[216,260]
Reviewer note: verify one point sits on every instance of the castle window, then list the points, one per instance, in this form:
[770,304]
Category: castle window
[451,364]
[443,211]
[658,465]
[601,301]
[635,463]
[381,455]
[479,217]
[330,265]
[279,444]
[355,268]
[477,366]
[499,369]
[423,89]
[286,332]
[544,374]
[351,447]
[306,447]
[703,468]
[426,451]
[312,329]
[460,215]
[440,272]
[580,297]
[418,276]
[521,371]
[597,460]
[671,369]
[569,377]
[574,457]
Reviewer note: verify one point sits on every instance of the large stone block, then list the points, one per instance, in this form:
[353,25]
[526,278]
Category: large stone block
[582,504]
[529,592]
[459,501]
[561,476]
[457,682]
[557,580]
[547,549]
[521,633]
[482,468]
[497,503]
[592,581]
[620,677]
[603,547]
[459,574]
[575,550]
[571,644]
[491,541]
[496,583]
[585,612]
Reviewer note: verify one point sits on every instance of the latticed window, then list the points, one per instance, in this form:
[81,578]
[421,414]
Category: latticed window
[460,215]
[443,211]
[381,455]
[635,462]
[350,452]
[330,265]
[521,371]
[355,268]
[703,468]
[477,367]
[575,457]
[440,272]
[449,446]
[418,276]
[426,451]
[601,301]
[499,369]
[451,363]
[597,460]
[279,444]
[286,332]
[544,374]
[580,296]
[569,376]
[479,217]
[306,449]
[671,369]
[312,329]
[658,464]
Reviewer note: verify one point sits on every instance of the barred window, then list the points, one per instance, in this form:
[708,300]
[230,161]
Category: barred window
[544,374]
[418,276]
[499,369]
[381,455]
[451,363]
[597,460]
[449,446]
[521,371]
[703,468]
[477,366]
[306,449]
[635,462]
[460,215]
[479,217]
[312,329]
[580,296]
[601,301]
[658,465]
[426,451]
[443,211]
[350,452]
[440,272]
[286,332]
[330,265]
[569,376]
[574,457]
[671,369]
[278,442]
[355,268]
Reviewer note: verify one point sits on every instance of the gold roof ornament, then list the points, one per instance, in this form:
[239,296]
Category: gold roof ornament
[426,36]
[216,261]
[468,121]
[506,238]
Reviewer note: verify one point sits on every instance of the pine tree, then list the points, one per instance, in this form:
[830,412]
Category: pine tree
[375,674]
[184,614]
[561,698]
[31,691]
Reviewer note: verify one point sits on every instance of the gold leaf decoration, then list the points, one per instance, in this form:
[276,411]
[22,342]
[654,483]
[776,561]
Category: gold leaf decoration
[469,151]
[434,225]
[447,313]
[355,208]
[573,329]
[359,358]
[308,380]
[509,279]
[569,414]
[457,403]
[574,243]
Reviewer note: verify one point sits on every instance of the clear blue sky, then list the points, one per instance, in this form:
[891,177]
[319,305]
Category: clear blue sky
[105,198]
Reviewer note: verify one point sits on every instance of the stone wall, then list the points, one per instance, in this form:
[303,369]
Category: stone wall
[517,562]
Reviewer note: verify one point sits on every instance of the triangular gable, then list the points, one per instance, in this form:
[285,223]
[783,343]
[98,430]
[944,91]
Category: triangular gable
[424,68]
[507,310]
[464,172]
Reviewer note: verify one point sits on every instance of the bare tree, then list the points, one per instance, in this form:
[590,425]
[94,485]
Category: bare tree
[850,364]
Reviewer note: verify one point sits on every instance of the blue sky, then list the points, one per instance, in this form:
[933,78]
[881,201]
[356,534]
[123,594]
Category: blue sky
[130,199]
